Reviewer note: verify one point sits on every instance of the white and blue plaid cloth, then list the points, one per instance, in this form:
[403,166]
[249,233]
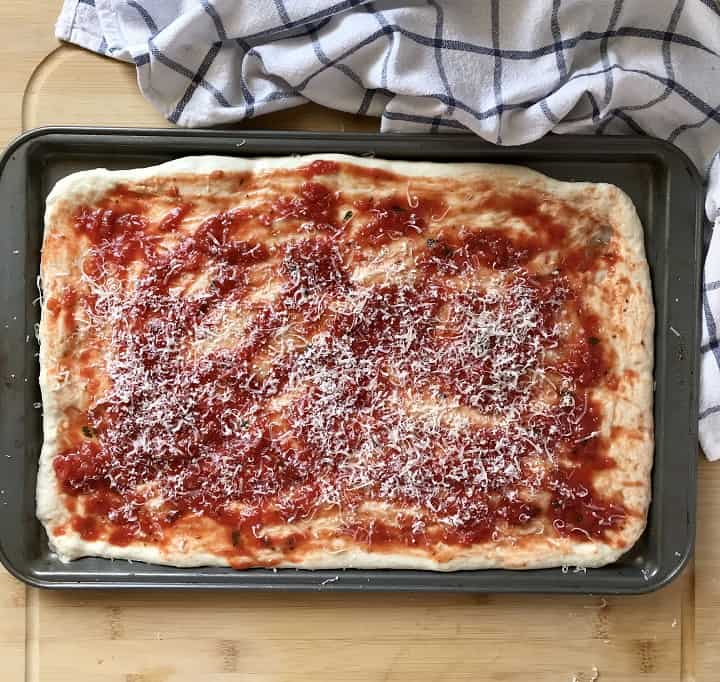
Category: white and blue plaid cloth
[508,70]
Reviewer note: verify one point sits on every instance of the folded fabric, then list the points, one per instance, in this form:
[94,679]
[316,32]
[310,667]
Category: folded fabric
[508,71]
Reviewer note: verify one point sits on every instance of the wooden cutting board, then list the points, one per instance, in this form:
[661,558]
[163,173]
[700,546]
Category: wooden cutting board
[157,637]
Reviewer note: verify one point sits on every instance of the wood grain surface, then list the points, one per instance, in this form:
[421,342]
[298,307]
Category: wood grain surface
[158,637]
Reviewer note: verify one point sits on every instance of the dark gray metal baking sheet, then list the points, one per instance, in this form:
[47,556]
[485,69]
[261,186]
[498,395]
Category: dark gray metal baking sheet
[660,180]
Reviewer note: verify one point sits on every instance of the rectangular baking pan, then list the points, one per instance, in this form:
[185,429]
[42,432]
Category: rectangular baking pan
[667,193]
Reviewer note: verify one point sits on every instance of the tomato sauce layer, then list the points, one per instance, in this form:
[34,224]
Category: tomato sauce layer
[324,354]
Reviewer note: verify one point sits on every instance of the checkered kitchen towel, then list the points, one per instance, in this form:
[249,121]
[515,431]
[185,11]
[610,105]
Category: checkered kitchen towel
[508,70]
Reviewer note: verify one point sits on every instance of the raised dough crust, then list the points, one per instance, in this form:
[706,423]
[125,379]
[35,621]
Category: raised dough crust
[630,407]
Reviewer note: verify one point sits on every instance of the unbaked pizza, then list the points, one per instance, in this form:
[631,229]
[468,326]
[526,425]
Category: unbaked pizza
[332,361]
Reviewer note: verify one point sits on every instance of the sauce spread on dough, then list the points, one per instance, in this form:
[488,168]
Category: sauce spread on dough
[376,355]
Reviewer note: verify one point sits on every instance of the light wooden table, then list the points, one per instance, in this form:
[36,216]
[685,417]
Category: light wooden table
[157,637]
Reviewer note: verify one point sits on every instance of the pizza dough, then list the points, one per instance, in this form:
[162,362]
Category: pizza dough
[330,361]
